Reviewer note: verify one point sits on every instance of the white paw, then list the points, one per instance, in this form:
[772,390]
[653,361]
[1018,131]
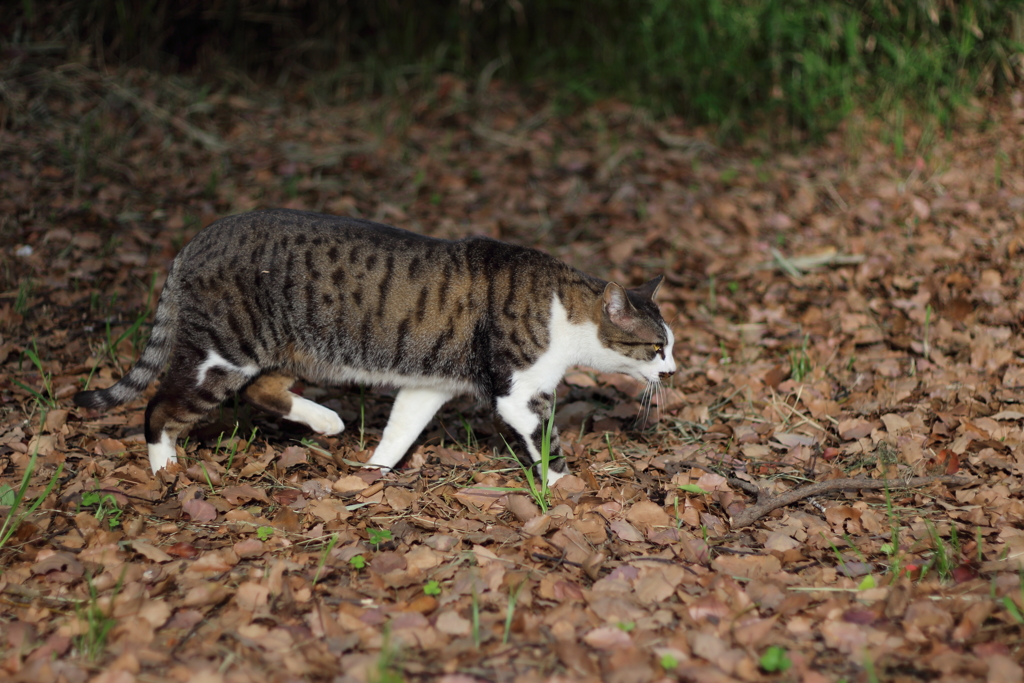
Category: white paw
[162,454]
[555,476]
[318,418]
[383,462]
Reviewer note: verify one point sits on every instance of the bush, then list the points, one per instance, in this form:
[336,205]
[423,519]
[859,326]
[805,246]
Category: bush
[712,61]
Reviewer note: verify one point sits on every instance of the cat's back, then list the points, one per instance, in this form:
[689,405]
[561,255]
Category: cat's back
[346,298]
[341,248]
[251,237]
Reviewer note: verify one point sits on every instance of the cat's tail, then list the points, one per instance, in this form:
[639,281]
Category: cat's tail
[150,364]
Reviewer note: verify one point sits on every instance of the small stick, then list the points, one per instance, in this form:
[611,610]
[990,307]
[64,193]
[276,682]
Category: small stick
[766,503]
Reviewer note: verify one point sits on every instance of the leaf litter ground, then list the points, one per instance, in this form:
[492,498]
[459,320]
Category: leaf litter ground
[844,313]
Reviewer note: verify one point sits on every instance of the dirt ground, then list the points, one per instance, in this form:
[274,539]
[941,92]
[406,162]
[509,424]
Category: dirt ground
[828,490]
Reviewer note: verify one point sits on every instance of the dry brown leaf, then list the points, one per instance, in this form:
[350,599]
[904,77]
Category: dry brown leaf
[349,484]
[329,510]
[1003,669]
[656,584]
[454,625]
[286,520]
[608,638]
[422,558]
[747,566]
[853,429]
[482,497]
[150,552]
[214,561]
[252,597]
[236,495]
[575,657]
[626,531]
[521,506]
[399,498]
[293,455]
[647,516]
[896,424]
[249,547]
[58,562]
[199,510]
[537,526]
[573,544]
[206,593]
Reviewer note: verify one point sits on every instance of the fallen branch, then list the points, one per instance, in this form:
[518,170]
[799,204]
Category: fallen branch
[797,266]
[208,140]
[766,502]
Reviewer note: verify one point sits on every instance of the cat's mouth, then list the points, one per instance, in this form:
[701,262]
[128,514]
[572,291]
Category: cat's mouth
[653,378]
[641,377]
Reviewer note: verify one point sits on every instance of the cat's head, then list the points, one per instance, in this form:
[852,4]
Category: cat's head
[632,329]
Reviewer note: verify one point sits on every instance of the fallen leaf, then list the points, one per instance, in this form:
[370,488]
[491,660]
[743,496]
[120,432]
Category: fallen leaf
[199,510]
[236,495]
[608,638]
[183,549]
[349,484]
[451,623]
[205,594]
[150,552]
[747,566]
[293,455]
[625,531]
[647,516]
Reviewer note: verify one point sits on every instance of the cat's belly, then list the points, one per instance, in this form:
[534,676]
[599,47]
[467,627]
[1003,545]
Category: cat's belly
[336,374]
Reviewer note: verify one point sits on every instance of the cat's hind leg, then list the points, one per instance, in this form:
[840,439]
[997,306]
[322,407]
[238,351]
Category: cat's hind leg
[189,391]
[271,393]
[413,410]
[529,416]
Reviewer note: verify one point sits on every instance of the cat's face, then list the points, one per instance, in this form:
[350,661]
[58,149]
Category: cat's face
[637,341]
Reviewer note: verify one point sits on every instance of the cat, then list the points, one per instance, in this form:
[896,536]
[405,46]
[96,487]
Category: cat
[257,300]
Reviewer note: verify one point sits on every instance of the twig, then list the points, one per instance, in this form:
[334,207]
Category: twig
[664,560]
[796,266]
[24,595]
[207,140]
[750,487]
[766,503]
[541,557]
[516,142]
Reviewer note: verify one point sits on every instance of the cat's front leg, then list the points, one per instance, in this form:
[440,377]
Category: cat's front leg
[413,410]
[530,417]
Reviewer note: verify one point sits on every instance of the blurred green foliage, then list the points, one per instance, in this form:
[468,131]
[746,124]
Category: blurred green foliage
[711,61]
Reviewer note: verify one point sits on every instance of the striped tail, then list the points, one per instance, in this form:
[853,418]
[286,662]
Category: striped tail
[150,364]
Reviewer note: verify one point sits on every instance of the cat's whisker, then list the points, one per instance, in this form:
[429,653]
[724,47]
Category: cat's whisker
[645,401]
[651,404]
[645,406]
[638,420]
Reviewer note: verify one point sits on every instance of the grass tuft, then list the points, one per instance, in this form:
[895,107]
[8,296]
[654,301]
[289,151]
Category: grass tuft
[16,497]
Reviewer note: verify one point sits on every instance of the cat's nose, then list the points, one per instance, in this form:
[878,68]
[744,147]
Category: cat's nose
[666,375]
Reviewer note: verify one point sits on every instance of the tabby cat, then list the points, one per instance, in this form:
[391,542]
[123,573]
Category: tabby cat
[257,300]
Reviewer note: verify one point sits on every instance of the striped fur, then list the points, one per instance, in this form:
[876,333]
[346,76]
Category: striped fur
[257,300]
[150,364]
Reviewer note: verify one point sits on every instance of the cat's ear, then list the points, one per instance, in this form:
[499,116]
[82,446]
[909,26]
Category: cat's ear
[617,307]
[649,289]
